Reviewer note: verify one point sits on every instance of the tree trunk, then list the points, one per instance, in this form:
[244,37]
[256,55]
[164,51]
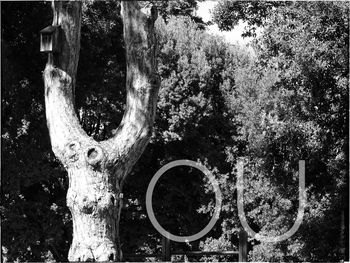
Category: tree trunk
[97,170]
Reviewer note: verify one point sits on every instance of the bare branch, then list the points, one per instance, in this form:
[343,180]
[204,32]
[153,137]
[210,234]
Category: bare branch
[142,85]
[59,78]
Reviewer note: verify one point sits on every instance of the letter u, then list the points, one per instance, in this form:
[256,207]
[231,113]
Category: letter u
[243,219]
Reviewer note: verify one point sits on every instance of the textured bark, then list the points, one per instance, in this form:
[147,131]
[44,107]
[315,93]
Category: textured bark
[97,170]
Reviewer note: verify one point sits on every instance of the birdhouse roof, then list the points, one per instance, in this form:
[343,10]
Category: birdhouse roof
[49,29]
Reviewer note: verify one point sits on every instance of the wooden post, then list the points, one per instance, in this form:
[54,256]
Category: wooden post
[243,239]
[166,256]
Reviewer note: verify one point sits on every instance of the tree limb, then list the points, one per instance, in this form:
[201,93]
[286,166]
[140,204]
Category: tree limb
[142,85]
[59,79]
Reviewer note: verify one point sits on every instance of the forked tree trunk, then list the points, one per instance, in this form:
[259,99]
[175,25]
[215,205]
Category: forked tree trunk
[96,170]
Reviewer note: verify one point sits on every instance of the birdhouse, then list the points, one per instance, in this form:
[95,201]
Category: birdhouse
[50,39]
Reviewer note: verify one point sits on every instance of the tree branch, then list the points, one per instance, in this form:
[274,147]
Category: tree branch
[59,79]
[142,85]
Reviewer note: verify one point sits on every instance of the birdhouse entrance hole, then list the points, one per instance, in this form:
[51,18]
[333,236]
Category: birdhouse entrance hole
[50,39]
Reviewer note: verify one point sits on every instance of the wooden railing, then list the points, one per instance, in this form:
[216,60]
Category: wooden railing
[167,253]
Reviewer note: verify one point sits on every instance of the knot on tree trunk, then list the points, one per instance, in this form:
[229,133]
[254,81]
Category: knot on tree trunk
[78,154]
[94,155]
[56,78]
[72,151]
[89,204]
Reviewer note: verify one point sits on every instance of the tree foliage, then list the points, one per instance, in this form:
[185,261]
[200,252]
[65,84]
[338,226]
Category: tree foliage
[227,14]
[287,100]
[192,123]
[292,103]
